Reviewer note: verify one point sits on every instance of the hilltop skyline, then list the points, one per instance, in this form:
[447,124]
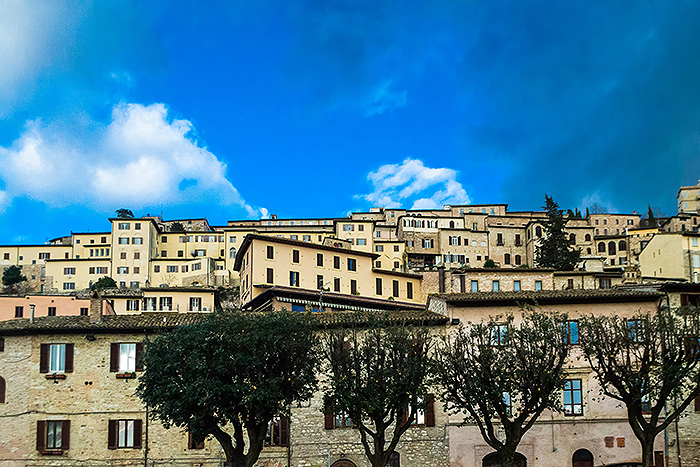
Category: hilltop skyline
[315,110]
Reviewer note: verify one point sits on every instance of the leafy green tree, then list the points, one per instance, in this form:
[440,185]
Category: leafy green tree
[502,375]
[12,277]
[646,362]
[237,369]
[553,249]
[177,227]
[125,213]
[490,264]
[104,283]
[378,376]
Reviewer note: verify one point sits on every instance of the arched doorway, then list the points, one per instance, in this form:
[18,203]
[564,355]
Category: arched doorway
[343,463]
[492,460]
[582,458]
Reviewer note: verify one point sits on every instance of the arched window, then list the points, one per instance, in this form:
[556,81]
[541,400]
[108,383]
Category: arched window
[232,253]
[506,258]
[582,458]
[622,246]
[588,237]
[572,239]
[452,224]
[538,231]
[518,260]
[2,390]
[588,250]
[601,247]
[612,248]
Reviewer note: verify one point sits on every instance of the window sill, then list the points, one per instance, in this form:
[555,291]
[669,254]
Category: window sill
[55,376]
[52,452]
[126,375]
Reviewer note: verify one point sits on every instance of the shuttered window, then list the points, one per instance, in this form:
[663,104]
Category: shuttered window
[124,434]
[56,358]
[52,435]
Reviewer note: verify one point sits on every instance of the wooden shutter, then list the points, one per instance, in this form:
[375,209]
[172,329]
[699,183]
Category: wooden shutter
[430,410]
[137,433]
[69,358]
[114,357]
[65,434]
[112,434]
[329,422]
[44,358]
[284,430]
[3,387]
[139,356]
[40,435]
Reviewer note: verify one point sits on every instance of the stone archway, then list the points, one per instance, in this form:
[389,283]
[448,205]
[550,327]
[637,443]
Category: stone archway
[582,458]
[492,460]
[343,463]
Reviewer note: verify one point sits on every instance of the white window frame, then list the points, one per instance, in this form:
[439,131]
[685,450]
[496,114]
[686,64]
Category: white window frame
[125,433]
[127,358]
[57,358]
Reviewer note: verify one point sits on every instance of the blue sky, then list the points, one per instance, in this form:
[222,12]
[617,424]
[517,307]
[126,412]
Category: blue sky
[310,109]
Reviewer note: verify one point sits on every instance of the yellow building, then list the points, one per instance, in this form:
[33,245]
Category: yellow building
[672,256]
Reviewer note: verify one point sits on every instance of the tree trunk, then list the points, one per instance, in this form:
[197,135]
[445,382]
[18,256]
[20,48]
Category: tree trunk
[648,452]
[507,455]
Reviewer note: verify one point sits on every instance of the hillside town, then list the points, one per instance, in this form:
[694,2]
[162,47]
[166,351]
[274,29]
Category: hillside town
[74,328]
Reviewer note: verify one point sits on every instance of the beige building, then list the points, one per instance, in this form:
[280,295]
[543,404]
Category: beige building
[265,261]
[672,256]
[161,299]
[597,426]
[688,199]
[68,399]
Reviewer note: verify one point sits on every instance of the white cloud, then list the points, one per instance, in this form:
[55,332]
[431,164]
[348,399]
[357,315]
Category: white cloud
[396,185]
[384,99]
[140,159]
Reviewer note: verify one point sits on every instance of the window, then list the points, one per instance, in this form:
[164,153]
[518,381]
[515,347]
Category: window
[122,270]
[636,330]
[84,311]
[122,255]
[166,303]
[378,264]
[409,290]
[44,255]
[294,278]
[336,284]
[137,241]
[538,231]
[69,271]
[164,254]
[612,248]
[336,262]
[270,252]
[379,248]
[573,397]
[588,237]
[348,227]
[172,268]
[196,266]
[52,435]
[352,264]
[538,285]
[571,328]
[498,334]
[516,286]
[52,311]
[395,289]
[56,358]
[123,226]
[518,260]
[378,286]
[149,304]
[475,286]
[353,286]
[319,282]
[604,283]
[278,432]
[123,240]
[270,276]
[125,357]
[295,256]
[427,243]
[103,239]
[499,239]
[495,286]
[124,434]
[361,241]
[132,304]
[425,416]
[164,239]
[156,268]
[19,311]
[319,259]
[518,241]
[137,226]
[506,258]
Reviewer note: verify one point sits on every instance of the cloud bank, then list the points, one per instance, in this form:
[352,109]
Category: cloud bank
[141,158]
[396,185]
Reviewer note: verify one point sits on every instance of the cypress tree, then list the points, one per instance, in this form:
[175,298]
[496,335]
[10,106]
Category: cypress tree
[553,249]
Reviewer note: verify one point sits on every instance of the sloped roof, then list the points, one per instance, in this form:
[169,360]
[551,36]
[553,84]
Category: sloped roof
[548,296]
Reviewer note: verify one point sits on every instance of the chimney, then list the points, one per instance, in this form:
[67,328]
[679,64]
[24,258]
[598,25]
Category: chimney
[96,305]
[441,279]
[31,314]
